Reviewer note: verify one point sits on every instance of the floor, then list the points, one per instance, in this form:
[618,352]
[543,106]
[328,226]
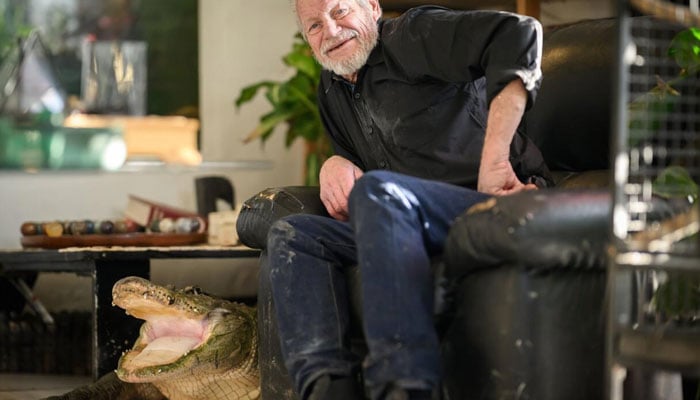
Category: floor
[35,387]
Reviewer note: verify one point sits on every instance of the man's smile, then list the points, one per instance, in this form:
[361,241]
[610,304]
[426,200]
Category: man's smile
[339,46]
[340,42]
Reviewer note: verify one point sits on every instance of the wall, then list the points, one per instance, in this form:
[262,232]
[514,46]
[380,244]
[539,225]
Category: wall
[241,42]
[555,12]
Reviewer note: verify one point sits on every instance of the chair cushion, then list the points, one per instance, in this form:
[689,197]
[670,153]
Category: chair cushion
[570,121]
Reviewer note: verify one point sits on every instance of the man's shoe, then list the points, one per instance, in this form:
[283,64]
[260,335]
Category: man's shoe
[337,388]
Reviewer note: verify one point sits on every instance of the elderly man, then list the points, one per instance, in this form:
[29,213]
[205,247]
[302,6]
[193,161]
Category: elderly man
[423,112]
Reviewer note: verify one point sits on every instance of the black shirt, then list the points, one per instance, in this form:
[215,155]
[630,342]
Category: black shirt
[420,103]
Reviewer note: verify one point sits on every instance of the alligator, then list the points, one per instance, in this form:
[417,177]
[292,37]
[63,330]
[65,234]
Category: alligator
[191,346]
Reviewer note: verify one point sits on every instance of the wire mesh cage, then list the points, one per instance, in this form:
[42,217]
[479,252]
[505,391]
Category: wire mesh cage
[655,263]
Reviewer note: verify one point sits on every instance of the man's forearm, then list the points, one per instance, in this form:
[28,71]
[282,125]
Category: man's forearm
[496,175]
[505,113]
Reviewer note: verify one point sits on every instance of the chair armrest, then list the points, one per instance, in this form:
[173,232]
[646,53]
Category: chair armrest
[548,229]
[260,211]
[540,230]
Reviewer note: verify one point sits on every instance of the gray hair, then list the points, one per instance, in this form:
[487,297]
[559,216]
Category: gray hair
[293,4]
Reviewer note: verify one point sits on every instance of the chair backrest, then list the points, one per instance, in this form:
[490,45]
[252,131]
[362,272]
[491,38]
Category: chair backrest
[571,119]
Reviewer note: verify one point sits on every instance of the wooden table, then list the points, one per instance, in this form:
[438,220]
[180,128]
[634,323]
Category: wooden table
[113,331]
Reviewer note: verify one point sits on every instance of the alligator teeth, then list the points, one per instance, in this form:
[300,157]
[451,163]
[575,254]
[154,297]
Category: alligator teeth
[163,350]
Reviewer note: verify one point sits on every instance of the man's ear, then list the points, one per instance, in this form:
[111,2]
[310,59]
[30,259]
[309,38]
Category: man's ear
[376,9]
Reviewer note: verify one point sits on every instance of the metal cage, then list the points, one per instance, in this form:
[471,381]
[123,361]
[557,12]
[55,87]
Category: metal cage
[654,273]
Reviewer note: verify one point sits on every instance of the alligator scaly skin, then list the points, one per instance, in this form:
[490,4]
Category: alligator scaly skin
[191,347]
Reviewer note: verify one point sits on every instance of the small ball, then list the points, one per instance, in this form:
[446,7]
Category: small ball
[196,225]
[166,225]
[28,228]
[183,225]
[90,227]
[53,229]
[78,228]
[132,226]
[106,227]
[120,226]
[154,226]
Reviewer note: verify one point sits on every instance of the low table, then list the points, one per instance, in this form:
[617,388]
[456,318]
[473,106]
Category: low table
[113,330]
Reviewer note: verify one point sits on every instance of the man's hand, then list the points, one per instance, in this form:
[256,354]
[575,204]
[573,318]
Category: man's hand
[337,178]
[496,175]
[499,179]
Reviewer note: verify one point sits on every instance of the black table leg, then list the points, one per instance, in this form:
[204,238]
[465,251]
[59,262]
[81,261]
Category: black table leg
[113,330]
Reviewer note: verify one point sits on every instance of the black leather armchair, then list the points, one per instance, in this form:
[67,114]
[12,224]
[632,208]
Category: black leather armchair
[524,275]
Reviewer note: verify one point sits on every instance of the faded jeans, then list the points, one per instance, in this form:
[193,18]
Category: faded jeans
[397,223]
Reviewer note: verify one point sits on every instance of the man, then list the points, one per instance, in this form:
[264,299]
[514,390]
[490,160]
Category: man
[421,109]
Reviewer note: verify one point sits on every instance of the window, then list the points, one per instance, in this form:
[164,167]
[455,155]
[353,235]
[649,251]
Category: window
[168,28]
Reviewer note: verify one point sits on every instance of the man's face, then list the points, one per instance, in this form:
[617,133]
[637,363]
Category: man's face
[341,33]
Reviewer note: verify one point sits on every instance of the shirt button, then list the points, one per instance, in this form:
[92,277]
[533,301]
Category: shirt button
[370,130]
[382,164]
[357,96]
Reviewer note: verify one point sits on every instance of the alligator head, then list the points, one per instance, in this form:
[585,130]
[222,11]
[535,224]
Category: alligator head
[191,346]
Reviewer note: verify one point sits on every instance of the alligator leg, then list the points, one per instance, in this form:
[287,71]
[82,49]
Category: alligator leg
[109,387]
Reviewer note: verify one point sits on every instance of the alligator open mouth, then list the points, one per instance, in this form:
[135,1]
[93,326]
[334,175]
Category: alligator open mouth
[192,346]
[164,340]
[176,330]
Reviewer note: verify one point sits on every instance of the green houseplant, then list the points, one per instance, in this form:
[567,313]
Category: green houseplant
[12,26]
[293,103]
[677,297]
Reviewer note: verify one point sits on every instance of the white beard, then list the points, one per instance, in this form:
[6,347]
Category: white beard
[354,62]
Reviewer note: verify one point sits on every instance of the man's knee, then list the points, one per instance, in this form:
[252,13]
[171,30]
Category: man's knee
[370,183]
[281,232]
[380,187]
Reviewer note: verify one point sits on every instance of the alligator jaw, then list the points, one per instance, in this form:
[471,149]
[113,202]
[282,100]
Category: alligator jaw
[142,299]
[164,342]
[177,326]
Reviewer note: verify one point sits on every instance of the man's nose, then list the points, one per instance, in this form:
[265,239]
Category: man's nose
[332,28]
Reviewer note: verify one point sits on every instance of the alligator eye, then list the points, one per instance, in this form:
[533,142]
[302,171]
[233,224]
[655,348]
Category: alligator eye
[192,290]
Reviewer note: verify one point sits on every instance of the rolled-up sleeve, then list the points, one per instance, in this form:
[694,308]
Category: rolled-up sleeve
[463,46]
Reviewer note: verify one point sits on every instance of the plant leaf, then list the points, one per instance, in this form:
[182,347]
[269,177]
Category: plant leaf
[249,92]
[307,127]
[302,62]
[648,112]
[685,49]
[300,89]
[675,181]
[313,166]
[267,123]
[293,101]
[679,296]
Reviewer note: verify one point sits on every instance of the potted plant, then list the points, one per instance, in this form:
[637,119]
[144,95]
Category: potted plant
[293,103]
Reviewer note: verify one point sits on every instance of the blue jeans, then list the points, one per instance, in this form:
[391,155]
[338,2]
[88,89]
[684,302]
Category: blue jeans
[397,223]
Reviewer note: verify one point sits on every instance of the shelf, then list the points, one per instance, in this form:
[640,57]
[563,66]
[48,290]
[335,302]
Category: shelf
[646,260]
[678,351]
[149,166]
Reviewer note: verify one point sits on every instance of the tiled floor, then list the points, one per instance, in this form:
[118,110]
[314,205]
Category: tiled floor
[35,387]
